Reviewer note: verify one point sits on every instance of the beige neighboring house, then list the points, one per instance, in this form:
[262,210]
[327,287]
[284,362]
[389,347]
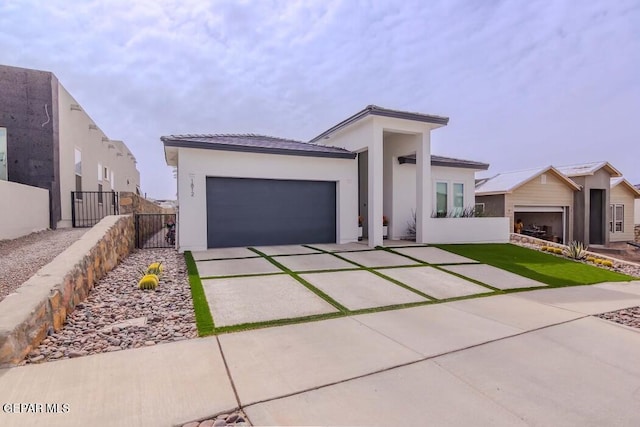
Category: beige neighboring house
[589,202]
[624,200]
[542,198]
[637,213]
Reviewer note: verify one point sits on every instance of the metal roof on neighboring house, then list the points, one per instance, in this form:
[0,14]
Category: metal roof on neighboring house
[635,189]
[446,162]
[510,181]
[590,168]
[255,144]
[374,110]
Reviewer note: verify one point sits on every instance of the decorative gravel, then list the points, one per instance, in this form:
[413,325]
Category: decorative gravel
[626,316]
[117,315]
[21,258]
[237,418]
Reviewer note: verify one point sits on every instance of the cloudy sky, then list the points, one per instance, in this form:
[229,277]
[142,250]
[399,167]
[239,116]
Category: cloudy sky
[525,83]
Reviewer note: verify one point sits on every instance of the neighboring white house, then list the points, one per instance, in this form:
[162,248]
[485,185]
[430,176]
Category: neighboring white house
[47,140]
[251,190]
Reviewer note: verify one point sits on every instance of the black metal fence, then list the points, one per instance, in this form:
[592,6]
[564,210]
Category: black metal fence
[89,207]
[155,231]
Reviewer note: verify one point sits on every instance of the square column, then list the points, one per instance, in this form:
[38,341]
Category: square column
[375,190]
[424,186]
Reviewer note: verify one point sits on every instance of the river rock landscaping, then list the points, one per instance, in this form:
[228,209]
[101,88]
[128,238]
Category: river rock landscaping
[117,315]
[237,418]
[628,317]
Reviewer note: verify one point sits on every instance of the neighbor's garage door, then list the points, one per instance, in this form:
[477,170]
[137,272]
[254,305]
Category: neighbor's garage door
[255,212]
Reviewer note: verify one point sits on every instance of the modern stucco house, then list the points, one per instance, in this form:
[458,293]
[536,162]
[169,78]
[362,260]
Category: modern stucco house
[47,140]
[240,190]
[589,202]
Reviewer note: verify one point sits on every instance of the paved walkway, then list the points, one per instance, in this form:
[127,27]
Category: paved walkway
[532,358]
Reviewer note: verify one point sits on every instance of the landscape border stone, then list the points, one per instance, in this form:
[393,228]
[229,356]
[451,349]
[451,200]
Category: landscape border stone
[43,302]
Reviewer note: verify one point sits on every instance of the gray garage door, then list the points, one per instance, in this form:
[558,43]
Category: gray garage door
[256,212]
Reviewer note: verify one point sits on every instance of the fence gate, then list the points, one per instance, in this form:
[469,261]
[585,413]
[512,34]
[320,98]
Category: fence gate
[155,231]
[89,207]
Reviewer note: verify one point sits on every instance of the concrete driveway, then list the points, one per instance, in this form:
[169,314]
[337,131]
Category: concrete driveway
[532,358]
[260,285]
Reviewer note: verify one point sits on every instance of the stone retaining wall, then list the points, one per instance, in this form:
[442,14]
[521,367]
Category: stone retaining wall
[637,233]
[521,238]
[132,203]
[43,302]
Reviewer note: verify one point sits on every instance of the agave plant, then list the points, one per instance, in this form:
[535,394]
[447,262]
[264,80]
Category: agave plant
[576,250]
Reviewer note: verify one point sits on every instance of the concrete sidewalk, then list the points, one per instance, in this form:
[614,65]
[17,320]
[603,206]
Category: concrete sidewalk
[529,358]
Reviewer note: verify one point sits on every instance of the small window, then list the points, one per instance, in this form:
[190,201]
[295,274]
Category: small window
[441,199]
[458,198]
[106,173]
[100,193]
[616,221]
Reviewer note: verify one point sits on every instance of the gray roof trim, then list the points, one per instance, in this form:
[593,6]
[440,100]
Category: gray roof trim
[284,148]
[449,162]
[374,110]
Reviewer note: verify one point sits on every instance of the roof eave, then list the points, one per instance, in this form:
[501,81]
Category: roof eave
[478,166]
[371,110]
[168,142]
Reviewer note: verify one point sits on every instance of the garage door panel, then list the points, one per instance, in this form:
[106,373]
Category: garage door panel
[253,212]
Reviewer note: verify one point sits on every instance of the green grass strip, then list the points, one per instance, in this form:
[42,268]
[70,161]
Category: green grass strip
[306,284]
[553,270]
[204,320]
[278,322]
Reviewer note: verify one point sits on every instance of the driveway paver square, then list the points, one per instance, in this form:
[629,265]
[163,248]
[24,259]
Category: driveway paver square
[239,300]
[286,250]
[223,253]
[235,267]
[493,276]
[273,362]
[433,255]
[377,258]
[434,282]
[341,247]
[313,262]
[357,290]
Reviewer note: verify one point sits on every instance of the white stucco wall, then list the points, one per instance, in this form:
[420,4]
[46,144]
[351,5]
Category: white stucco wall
[468,230]
[195,165]
[23,209]
[96,148]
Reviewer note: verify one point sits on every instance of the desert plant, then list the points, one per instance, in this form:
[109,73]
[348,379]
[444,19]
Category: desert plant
[557,251]
[148,281]
[469,212]
[576,250]
[598,261]
[411,225]
[607,263]
[544,248]
[591,259]
[155,268]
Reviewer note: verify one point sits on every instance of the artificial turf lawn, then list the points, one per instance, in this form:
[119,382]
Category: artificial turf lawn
[545,268]
[204,321]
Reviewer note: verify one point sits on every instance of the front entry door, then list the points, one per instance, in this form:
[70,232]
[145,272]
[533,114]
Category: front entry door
[596,217]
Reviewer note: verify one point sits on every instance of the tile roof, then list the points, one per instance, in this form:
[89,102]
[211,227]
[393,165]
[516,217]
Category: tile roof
[447,162]
[256,144]
[587,169]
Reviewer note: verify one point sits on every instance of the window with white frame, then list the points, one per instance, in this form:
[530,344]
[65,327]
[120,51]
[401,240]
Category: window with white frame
[618,218]
[100,194]
[100,177]
[441,199]
[458,198]
[78,173]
